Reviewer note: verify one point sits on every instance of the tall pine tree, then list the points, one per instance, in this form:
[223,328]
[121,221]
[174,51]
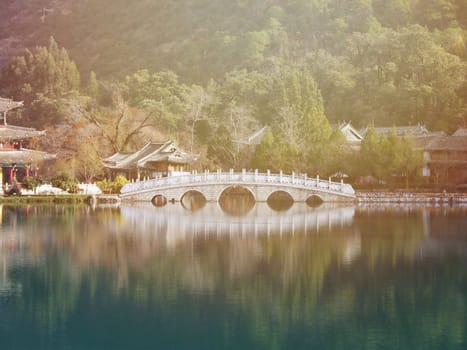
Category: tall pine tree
[45,70]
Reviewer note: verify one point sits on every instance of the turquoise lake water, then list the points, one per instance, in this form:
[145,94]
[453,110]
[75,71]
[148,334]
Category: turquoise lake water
[141,277]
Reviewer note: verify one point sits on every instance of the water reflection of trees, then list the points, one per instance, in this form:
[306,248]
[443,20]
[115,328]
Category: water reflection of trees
[285,286]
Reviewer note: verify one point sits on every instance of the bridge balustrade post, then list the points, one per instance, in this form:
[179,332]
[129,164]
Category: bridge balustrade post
[243,174]
[304,179]
[280,176]
[317,180]
[268,175]
[329,184]
[342,185]
[218,174]
[293,177]
[256,175]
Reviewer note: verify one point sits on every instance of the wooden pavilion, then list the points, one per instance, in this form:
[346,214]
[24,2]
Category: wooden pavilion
[154,159]
[16,161]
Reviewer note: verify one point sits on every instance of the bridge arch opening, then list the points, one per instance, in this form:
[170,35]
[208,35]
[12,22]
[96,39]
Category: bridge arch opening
[193,200]
[314,201]
[159,200]
[280,201]
[236,200]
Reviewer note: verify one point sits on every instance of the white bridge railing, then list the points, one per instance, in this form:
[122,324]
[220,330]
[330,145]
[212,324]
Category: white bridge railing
[244,177]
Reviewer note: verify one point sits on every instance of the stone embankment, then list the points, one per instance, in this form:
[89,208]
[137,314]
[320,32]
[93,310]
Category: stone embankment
[412,197]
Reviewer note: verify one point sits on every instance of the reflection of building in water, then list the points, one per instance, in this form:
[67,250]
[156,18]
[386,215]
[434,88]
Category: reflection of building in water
[442,225]
[175,223]
[445,232]
[12,249]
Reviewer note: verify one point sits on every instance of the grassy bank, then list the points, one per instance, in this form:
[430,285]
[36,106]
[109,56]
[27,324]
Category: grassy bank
[46,199]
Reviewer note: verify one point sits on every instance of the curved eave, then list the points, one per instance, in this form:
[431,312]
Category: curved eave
[112,167]
[24,156]
[7,104]
[18,136]
[171,160]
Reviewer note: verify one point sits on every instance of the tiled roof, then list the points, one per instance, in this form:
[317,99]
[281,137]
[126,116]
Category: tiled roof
[24,156]
[15,133]
[460,132]
[447,143]
[151,152]
[351,134]
[178,157]
[400,130]
[7,104]
[130,160]
[423,141]
[116,158]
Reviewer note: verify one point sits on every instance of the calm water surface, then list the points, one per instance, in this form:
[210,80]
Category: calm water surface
[141,277]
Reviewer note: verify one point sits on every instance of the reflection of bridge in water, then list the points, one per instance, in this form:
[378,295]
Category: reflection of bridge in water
[176,222]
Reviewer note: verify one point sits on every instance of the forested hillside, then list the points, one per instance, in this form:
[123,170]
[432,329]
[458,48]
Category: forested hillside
[394,60]
[235,65]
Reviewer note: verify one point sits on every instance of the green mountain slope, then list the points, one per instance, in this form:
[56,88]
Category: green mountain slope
[401,61]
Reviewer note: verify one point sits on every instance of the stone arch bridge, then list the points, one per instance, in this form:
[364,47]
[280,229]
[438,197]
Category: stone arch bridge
[260,185]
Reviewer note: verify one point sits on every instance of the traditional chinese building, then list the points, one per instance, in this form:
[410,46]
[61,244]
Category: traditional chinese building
[17,161]
[446,158]
[418,130]
[154,159]
[352,136]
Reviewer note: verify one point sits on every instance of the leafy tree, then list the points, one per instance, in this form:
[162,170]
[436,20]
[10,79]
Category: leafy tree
[92,88]
[391,157]
[46,111]
[251,90]
[88,163]
[65,181]
[299,103]
[197,103]
[193,67]
[337,157]
[370,155]
[203,131]
[114,186]
[160,95]
[45,70]
[32,182]
[265,153]
[275,153]
[436,13]
[410,159]
[393,13]
[336,78]
[221,149]
[118,124]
